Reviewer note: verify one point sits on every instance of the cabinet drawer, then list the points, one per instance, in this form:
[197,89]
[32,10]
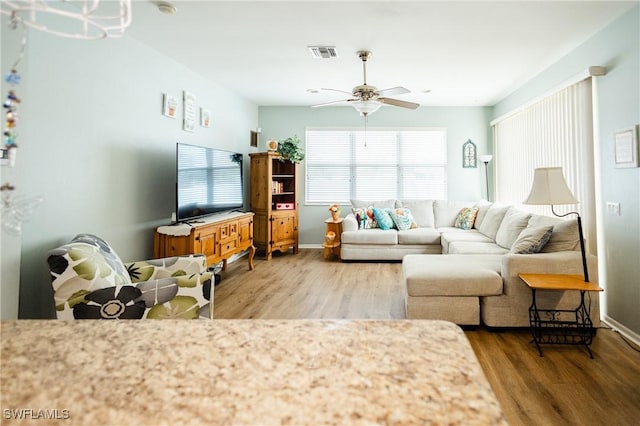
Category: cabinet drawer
[230,245]
[228,230]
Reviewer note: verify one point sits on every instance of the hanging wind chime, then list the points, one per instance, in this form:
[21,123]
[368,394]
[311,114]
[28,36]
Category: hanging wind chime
[14,210]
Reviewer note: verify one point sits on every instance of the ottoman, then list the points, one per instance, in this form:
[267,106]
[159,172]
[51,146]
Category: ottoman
[448,287]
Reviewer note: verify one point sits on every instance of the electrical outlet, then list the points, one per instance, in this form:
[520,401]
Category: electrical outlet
[613,208]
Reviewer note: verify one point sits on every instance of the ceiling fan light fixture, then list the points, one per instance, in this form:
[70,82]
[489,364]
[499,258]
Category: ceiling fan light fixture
[366,107]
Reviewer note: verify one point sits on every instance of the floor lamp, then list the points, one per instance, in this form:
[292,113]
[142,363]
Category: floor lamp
[549,188]
[485,159]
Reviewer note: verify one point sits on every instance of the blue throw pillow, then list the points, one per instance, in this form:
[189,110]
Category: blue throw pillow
[383,218]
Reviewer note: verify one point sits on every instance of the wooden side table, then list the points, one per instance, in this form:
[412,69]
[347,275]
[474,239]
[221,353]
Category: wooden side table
[560,326]
[332,245]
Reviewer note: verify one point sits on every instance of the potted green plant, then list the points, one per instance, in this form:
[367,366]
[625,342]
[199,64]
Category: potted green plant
[290,149]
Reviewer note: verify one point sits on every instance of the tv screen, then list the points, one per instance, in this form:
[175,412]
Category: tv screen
[208,181]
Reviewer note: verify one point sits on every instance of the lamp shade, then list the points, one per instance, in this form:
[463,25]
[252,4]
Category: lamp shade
[549,187]
[366,107]
[485,158]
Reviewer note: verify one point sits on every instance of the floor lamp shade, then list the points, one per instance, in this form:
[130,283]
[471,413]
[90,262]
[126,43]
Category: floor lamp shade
[549,187]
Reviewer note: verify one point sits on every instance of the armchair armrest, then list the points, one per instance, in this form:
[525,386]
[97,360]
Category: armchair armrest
[153,269]
[174,287]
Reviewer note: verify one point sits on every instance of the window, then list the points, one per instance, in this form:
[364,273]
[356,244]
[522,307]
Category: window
[555,131]
[341,165]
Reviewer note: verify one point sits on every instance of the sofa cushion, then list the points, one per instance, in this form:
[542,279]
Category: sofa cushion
[565,235]
[466,217]
[483,206]
[513,222]
[492,220]
[419,236]
[381,204]
[383,218]
[449,235]
[445,212]
[422,211]
[433,275]
[475,247]
[402,218]
[532,240]
[370,236]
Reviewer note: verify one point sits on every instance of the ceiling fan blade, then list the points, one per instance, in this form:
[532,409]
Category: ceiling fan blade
[344,101]
[393,91]
[398,103]
[338,90]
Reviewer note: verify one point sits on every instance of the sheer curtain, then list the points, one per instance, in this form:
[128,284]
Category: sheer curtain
[556,131]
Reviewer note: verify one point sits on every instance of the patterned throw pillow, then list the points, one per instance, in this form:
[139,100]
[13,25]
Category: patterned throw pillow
[532,240]
[365,217]
[383,218]
[403,219]
[466,217]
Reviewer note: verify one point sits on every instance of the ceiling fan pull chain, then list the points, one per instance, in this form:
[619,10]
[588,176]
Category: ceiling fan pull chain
[366,119]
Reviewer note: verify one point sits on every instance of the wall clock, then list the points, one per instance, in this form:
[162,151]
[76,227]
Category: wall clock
[469,158]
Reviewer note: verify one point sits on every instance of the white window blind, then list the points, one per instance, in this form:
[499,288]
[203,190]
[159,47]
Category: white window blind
[556,131]
[340,166]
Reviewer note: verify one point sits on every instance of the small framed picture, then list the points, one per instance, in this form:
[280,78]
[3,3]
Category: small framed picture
[190,112]
[205,117]
[169,105]
[626,147]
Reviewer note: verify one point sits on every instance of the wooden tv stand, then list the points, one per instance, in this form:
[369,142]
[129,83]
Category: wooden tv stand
[218,237]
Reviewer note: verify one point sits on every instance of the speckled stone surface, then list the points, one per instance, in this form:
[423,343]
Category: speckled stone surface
[243,372]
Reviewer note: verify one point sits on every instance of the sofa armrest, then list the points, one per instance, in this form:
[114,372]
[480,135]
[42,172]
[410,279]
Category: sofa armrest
[177,266]
[349,223]
[560,262]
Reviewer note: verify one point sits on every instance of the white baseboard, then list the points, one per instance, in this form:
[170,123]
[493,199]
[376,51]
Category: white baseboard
[616,326]
[310,246]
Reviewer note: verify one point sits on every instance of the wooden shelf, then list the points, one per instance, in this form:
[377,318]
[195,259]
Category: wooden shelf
[275,230]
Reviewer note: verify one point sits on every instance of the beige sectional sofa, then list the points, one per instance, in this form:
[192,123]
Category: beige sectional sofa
[477,278]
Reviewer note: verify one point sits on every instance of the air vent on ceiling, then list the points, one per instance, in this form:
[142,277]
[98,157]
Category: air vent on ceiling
[323,52]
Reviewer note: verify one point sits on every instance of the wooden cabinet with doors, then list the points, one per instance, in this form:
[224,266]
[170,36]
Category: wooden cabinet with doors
[218,237]
[274,201]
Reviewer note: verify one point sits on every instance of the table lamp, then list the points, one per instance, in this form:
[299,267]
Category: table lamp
[549,188]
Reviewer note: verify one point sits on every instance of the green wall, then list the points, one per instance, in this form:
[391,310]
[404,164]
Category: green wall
[462,123]
[618,107]
[94,143]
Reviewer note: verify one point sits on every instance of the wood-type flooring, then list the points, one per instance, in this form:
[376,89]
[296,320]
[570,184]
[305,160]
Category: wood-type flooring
[565,387]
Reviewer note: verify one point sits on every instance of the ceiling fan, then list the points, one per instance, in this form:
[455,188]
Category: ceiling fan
[366,98]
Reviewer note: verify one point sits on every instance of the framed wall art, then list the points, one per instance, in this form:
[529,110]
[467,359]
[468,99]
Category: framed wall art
[190,112]
[626,147]
[469,157]
[205,117]
[169,105]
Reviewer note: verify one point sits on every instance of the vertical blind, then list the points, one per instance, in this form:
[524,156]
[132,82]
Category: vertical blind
[348,164]
[557,131]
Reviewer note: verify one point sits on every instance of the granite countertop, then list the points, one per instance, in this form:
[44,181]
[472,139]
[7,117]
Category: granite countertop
[242,372]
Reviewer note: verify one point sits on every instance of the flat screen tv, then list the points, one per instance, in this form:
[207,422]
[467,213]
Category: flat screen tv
[208,181]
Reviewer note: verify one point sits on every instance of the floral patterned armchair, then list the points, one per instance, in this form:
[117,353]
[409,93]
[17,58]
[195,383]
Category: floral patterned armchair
[91,282]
